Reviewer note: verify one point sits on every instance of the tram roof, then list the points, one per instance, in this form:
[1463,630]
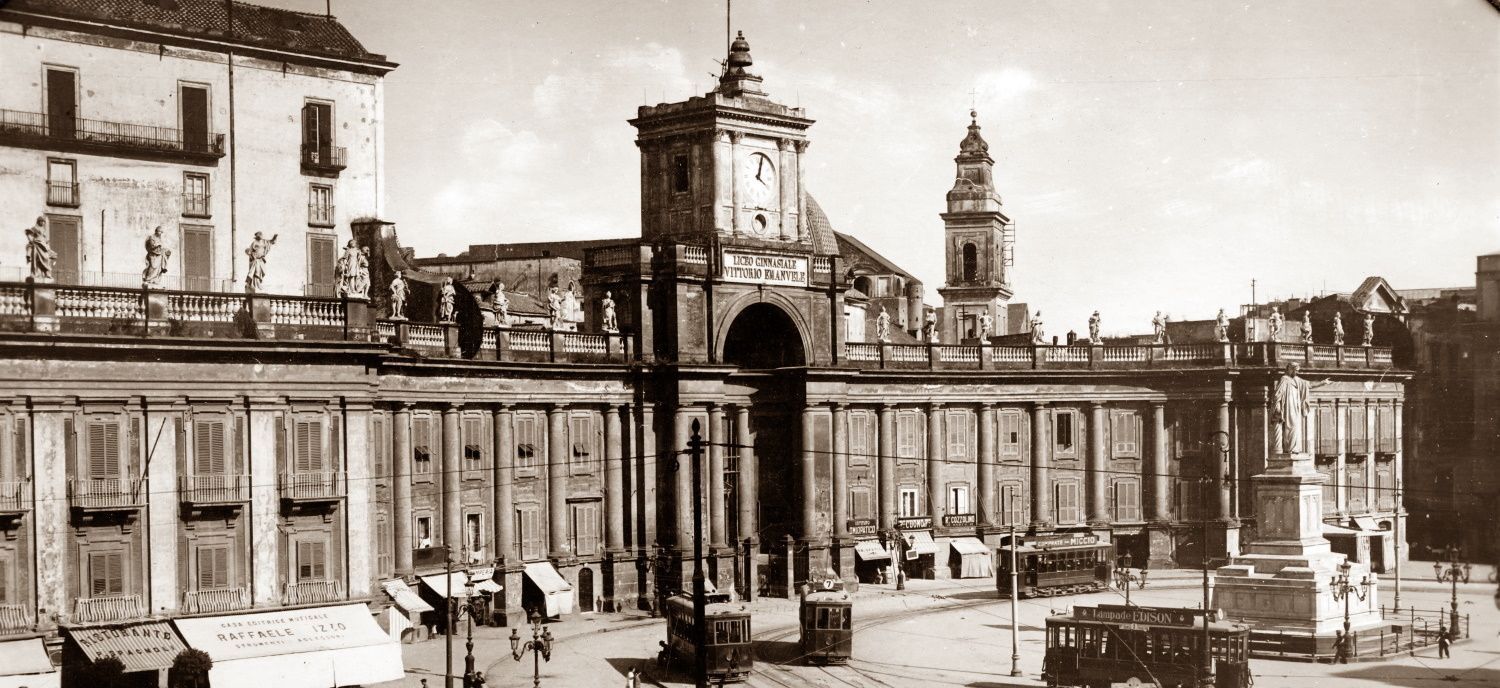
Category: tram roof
[711,608]
[1220,625]
[829,597]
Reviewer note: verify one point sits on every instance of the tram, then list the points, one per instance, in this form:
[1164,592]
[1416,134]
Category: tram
[730,652]
[1061,564]
[827,622]
[1161,646]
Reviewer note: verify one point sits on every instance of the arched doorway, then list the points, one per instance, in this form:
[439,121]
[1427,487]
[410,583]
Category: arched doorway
[764,336]
[586,589]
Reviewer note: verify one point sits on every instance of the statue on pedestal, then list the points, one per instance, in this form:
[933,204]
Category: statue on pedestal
[929,327]
[883,326]
[607,307]
[39,254]
[398,296]
[1307,327]
[157,254]
[554,307]
[446,298]
[986,323]
[500,303]
[359,287]
[1094,322]
[1221,327]
[1036,329]
[1369,337]
[1338,329]
[1274,323]
[1293,403]
[255,273]
[343,269]
[1159,329]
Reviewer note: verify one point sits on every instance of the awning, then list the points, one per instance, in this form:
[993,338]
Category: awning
[555,589]
[919,543]
[974,558]
[484,580]
[404,597]
[1331,529]
[456,584]
[870,550]
[25,663]
[145,646]
[296,648]
[396,623]
[1366,523]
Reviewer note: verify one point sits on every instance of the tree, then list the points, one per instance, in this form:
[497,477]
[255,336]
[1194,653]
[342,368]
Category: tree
[190,669]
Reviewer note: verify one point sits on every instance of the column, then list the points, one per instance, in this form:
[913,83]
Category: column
[49,442]
[359,501]
[747,485]
[802,231]
[1340,475]
[886,441]
[714,485]
[1221,485]
[987,506]
[1098,473]
[557,480]
[504,478]
[614,484]
[937,457]
[401,487]
[265,507]
[807,527]
[734,182]
[841,470]
[682,478]
[1161,480]
[787,178]
[1041,463]
[164,429]
[453,526]
[650,460]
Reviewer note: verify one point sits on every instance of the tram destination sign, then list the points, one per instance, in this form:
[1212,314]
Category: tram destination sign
[764,268]
[1142,616]
[1061,540]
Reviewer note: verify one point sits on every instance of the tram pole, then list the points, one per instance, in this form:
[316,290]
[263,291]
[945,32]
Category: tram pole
[1208,662]
[1015,597]
[700,641]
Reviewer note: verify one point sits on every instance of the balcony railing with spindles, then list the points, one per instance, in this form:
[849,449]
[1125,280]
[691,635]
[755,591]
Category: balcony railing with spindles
[215,601]
[106,494]
[311,486]
[311,592]
[1190,355]
[213,489]
[107,608]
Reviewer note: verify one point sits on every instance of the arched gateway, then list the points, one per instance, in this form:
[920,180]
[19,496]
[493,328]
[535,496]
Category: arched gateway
[763,336]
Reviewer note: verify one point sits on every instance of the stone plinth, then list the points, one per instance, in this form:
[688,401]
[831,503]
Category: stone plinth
[1284,580]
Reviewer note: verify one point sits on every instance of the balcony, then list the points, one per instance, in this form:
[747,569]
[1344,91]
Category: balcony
[106,494]
[14,618]
[107,608]
[311,486]
[15,497]
[322,160]
[196,204]
[313,592]
[62,194]
[100,137]
[213,490]
[885,356]
[215,601]
[320,215]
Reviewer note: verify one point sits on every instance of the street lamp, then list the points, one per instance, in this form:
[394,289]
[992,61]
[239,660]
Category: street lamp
[540,647]
[1342,589]
[1124,576]
[1452,573]
[468,606]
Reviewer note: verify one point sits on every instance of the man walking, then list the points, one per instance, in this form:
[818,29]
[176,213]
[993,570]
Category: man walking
[1442,643]
[1341,648]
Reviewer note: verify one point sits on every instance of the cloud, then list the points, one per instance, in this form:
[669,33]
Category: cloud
[1002,86]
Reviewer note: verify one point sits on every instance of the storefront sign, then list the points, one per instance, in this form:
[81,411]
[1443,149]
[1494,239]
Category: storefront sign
[861,526]
[280,633]
[1062,540]
[140,647]
[1146,616]
[959,520]
[764,268]
[914,523]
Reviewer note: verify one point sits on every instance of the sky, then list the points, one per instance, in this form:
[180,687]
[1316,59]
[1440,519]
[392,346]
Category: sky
[1154,155]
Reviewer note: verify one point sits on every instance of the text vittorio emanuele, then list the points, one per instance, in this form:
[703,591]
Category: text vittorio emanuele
[765,269]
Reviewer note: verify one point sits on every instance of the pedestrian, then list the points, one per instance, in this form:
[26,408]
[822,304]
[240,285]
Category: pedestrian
[1340,648]
[478,681]
[1443,643]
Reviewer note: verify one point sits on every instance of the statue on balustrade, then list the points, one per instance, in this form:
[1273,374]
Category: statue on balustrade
[929,327]
[447,297]
[1307,327]
[1037,336]
[986,323]
[1338,329]
[1094,323]
[398,296]
[1275,322]
[499,303]
[157,254]
[255,273]
[1221,327]
[39,254]
[1158,329]
[607,308]
[554,307]
[1369,337]
[360,288]
[883,326]
[343,270]
[1293,404]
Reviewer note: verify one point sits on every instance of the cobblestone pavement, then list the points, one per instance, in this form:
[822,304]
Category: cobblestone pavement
[943,633]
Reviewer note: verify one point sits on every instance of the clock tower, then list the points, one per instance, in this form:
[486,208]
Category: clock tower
[978,241]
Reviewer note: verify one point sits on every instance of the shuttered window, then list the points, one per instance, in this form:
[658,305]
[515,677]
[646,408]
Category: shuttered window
[382,449]
[312,560]
[106,573]
[859,439]
[321,260]
[1066,501]
[1385,429]
[528,517]
[1011,423]
[473,441]
[1012,505]
[6,584]
[1357,483]
[860,503]
[198,256]
[1127,501]
[307,446]
[1356,431]
[208,447]
[474,532]
[581,434]
[585,528]
[527,444]
[213,567]
[1385,486]
[383,562]
[1327,430]
[960,431]
[910,504]
[103,446]
[958,499]
[909,435]
[421,447]
[1125,433]
[1065,433]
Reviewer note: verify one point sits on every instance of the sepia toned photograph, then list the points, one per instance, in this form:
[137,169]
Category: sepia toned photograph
[483,343]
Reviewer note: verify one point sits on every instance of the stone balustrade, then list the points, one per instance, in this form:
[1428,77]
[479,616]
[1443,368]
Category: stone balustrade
[1195,355]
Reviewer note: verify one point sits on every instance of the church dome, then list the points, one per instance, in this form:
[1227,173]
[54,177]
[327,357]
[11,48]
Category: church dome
[820,228]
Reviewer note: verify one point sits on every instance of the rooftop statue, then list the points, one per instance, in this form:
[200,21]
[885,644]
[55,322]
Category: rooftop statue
[398,296]
[39,254]
[255,273]
[157,254]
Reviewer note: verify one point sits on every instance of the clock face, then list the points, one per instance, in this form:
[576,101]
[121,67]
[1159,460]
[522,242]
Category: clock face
[759,181]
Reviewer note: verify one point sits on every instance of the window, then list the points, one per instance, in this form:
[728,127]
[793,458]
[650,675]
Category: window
[861,503]
[307,447]
[66,237]
[197,257]
[680,174]
[909,504]
[195,194]
[971,263]
[1064,433]
[1357,484]
[421,447]
[473,438]
[312,560]
[1127,501]
[1385,486]
[62,183]
[8,594]
[529,520]
[1328,430]
[1011,423]
[526,444]
[1385,429]
[1065,496]
[382,449]
[317,134]
[1126,433]
[103,446]
[474,533]
[585,535]
[384,564]
[320,263]
[106,573]
[62,102]
[958,499]
[208,447]
[1356,431]
[909,435]
[424,531]
[1012,505]
[581,434]
[194,100]
[213,567]
[960,430]
[859,439]
[320,205]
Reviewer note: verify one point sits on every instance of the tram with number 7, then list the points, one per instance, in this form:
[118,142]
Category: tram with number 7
[726,635]
[827,622]
[1161,646]
[1058,564]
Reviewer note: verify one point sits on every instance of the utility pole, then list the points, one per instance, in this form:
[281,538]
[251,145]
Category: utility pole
[1205,483]
[1015,599]
[1397,600]
[700,649]
[448,624]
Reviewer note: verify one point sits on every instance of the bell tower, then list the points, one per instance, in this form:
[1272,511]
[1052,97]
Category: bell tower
[978,242]
[728,162]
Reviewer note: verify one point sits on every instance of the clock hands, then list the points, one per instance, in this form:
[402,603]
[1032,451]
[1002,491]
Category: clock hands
[760,166]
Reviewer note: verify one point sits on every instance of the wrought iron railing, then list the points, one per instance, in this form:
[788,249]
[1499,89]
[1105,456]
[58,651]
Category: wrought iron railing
[313,591]
[215,601]
[323,157]
[214,489]
[14,618]
[106,493]
[196,204]
[311,485]
[107,608]
[320,214]
[105,134]
[15,496]
[62,194]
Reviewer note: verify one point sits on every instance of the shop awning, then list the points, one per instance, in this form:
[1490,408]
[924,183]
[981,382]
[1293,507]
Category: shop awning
[484,580]
[870,550]
[555,589]
[456,584]
[145,646]
[315,647]
[974,558]
[396,623]
[919,543]
[404,597]
[25,663]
